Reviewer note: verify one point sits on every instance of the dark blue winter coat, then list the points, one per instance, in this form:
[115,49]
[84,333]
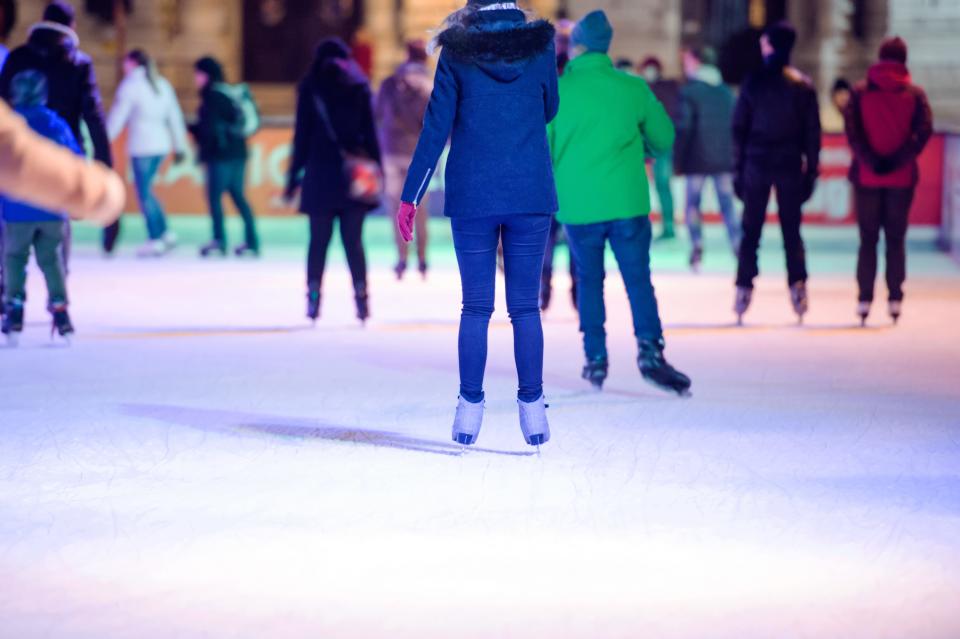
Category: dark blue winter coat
[51,126]
[494,93]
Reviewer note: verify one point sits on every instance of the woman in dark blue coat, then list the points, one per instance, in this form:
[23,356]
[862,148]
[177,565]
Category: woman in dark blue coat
[494,93]
[334,120]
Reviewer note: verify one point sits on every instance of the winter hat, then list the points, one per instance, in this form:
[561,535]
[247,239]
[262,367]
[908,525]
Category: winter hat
[707,55]
[417,51]
[782,37]
[894,50]
[211,67]
[332,48]
[60,12]
[594,32]
[487,3]
[28,89]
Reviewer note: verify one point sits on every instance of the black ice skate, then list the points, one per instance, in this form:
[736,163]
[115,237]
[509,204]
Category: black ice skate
[363,302]
[696,258]
[246,250]
[12,324]
[213,248]
[799,299]
[400,270]
[546,294]
[313,303]
[595,372]
[863,311]
[423,268]
[658,372]
[61,322]
[895,307]
[742,302]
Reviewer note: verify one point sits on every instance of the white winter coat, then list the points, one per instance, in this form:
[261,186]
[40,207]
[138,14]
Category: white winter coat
[153,116]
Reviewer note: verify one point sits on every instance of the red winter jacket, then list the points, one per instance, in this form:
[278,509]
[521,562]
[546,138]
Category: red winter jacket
[888,124]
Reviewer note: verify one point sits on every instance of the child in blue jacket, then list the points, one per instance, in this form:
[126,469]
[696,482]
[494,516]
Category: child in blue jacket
[27,227]
[494,93]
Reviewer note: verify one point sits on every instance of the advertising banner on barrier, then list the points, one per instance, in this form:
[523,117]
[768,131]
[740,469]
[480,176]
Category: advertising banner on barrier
[181,187]
[950,225]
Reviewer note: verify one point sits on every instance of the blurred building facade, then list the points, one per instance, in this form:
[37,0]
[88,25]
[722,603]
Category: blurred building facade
[838,38]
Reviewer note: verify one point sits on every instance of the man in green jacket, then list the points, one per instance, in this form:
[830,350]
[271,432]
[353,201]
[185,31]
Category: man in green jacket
[597,143]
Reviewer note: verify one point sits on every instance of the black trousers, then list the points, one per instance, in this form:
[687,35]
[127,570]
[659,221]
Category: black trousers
[552,241]
[887,209]
[756,196]
[351,233]
[111,235]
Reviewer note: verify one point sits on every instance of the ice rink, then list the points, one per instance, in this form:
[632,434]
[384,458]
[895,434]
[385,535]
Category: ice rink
[200,462]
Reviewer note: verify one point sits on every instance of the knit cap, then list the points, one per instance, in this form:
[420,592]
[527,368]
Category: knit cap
[593,32]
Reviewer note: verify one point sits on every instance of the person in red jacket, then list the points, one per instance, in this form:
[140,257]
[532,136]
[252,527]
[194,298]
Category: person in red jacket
[888,124]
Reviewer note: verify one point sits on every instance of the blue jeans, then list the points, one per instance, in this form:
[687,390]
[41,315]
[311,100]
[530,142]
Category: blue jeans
[524,240]
[228,176]
[723,184]
[144,171]
[630,240]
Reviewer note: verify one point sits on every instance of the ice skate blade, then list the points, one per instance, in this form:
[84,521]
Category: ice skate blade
[537,440]
[464,439]
[684,393]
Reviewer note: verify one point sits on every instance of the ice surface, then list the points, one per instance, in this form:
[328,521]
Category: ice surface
[202,463]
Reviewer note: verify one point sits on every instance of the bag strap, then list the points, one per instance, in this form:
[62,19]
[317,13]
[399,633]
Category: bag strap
[324,114]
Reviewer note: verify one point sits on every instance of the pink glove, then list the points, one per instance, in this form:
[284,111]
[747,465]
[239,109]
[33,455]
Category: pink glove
[406,214]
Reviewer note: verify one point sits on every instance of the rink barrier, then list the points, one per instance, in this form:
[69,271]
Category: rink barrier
[180,187]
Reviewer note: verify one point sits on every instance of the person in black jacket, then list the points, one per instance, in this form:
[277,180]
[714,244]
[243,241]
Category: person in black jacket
[334,120]
[704,147]
[668,92]
[776,134]
[52,49]
[223,148]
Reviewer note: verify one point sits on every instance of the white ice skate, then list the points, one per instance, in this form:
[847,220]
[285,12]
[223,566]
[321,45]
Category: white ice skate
[467,422]
[863,312]
[153,248]
[533,421]
[895,308]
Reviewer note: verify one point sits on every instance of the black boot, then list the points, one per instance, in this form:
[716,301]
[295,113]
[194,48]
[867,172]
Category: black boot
[742,302]
[213,247]
[657,371]
[61,321]
[12,317]
[363,301]
[799,300]
[546,291]
[313,301]
[595,372]
[245,250]
[696,258]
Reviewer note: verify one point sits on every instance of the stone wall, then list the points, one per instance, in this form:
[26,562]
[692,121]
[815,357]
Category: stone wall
[175,32]
[930,27]
[642,28]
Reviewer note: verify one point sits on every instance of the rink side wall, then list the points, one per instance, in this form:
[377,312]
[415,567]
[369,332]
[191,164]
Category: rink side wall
[180,187]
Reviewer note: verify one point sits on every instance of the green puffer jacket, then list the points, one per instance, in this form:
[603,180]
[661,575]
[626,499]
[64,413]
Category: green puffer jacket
[597,141]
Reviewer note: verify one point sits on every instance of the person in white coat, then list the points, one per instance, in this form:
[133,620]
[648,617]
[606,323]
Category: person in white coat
[147,106]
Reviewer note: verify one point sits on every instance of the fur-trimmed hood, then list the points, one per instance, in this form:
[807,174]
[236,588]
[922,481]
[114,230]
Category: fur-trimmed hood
[501,42]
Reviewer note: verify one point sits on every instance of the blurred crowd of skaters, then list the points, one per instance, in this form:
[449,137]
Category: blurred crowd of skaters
[353,147]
